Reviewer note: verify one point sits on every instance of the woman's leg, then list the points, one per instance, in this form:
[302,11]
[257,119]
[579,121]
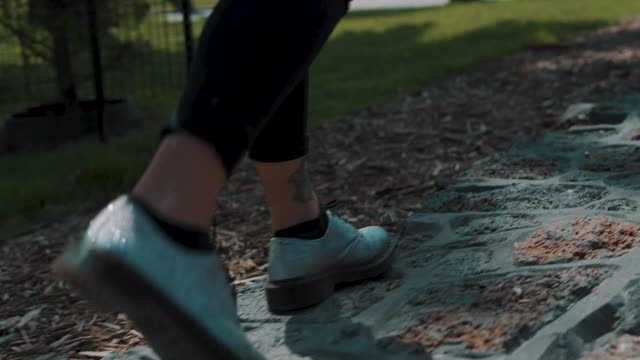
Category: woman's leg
[312,249]
[278,152]
[251,55]
[136,254]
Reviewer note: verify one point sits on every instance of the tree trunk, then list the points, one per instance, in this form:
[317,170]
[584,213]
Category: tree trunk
[57,27]
[64,70]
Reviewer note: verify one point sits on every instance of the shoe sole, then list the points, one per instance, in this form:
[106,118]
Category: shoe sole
[113,286]
[290,295]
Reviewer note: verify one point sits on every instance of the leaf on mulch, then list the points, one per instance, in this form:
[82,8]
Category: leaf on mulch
[9,323]
[28,317]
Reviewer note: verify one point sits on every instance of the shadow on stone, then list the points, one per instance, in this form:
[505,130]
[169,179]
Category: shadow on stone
[415,232]
[517,197]
[615,158]
[345,340]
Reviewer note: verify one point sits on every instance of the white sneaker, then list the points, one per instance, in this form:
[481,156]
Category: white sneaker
[304,272]
[179,297]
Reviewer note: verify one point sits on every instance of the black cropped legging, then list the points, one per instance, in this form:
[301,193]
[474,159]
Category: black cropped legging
[248,86]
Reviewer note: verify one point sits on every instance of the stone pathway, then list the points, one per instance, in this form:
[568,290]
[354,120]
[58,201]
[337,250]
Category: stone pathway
[529,257]
[394,4]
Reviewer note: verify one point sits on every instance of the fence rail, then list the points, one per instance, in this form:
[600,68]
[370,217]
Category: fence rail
[135,47]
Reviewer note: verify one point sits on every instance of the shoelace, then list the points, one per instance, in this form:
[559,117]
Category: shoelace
[330,205]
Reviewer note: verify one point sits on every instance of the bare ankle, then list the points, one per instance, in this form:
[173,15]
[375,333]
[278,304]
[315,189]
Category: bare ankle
[182,181]
[291,214]
[289,192]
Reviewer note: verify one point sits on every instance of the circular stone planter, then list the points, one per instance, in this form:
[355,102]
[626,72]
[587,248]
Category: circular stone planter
[47,126]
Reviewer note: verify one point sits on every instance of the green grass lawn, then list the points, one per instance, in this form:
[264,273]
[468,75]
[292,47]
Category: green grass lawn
[203,4]
[372,57]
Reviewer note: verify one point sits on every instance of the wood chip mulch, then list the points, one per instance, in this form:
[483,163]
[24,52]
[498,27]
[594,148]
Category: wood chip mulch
[381,164]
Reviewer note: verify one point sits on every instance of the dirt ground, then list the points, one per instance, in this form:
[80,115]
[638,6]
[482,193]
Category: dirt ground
[380,164]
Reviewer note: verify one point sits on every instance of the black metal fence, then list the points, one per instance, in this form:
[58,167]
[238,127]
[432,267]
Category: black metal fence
[123,48]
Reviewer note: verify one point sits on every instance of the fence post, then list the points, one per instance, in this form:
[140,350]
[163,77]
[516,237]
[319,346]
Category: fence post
[97,66]
[188,30]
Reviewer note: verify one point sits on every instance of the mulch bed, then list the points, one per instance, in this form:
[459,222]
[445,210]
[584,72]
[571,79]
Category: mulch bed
[581,239]
[381,164]
[505,312]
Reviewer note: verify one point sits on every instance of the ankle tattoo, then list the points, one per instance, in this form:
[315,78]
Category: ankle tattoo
[303,188]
